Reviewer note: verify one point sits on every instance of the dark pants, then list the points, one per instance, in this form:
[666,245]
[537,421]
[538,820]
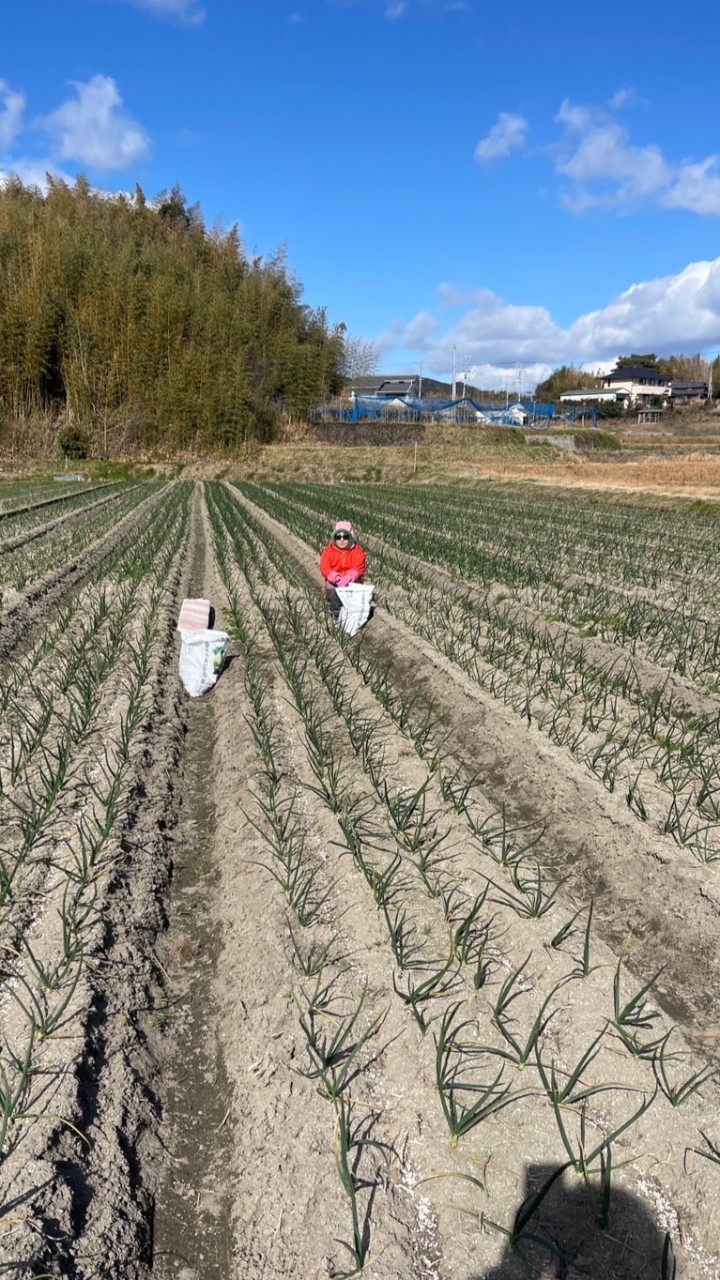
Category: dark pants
[334,602]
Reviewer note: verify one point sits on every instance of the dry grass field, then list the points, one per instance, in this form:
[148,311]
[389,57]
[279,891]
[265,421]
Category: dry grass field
[695,473]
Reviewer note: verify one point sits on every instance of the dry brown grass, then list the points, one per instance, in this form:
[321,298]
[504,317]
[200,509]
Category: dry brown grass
[694,474]
[453,456]
[437,463]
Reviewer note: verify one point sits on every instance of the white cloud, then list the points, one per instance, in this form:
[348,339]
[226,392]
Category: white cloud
[93,129]
[453,296]
[501,377]
[602,168]
[622,98]
[671,314]
[508,134]
[598,151]
[189,12]
[394,10]
[608,171]
[599,367]
[32,172]
[696,187]
[12,106]
[90,128]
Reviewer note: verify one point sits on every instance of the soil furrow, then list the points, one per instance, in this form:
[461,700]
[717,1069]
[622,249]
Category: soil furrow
[192,1235]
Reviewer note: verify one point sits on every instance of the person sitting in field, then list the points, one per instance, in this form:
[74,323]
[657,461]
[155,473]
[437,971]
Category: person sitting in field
[342,562]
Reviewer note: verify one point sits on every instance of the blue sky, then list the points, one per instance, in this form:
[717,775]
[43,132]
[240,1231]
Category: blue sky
[527,184]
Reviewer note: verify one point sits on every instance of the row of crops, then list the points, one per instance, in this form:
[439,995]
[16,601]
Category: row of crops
[596,675]
[77,693]
[38,537]
[24,495]
[523,1036]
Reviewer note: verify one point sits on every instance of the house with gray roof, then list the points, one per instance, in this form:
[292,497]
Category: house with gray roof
[382,386]
[638,384]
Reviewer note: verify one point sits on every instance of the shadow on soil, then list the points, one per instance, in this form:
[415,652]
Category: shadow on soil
[575,1232]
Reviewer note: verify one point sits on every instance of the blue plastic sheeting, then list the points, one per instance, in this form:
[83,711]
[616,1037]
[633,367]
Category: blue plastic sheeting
[407,409]
[538,410]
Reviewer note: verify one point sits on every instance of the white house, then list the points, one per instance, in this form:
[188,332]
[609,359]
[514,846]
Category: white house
[638,384]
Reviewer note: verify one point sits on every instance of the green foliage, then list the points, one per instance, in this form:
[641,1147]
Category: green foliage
[121,471]
[135,323]
[73,441]
[568,377]
[635,361]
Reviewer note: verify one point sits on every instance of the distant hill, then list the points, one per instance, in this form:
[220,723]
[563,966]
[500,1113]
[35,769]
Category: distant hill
[443,390]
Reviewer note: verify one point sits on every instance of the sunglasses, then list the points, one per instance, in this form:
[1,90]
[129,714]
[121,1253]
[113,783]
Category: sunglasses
[341,537]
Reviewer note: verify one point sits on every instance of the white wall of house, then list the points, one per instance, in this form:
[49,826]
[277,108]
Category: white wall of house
[588,394]
[638,392]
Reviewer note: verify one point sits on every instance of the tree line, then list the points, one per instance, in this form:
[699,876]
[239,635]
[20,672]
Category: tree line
[127,323]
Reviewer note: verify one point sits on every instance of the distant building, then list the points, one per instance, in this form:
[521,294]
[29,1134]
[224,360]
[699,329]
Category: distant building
[382,386]
[682,392]
[638,384]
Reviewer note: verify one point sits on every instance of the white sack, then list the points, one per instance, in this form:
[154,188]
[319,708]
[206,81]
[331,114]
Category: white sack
[356,600]
[201,657]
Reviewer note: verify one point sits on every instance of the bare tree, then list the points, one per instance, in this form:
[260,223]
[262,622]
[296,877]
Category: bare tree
[361,357]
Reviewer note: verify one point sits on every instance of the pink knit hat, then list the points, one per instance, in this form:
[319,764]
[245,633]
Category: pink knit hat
[343,526]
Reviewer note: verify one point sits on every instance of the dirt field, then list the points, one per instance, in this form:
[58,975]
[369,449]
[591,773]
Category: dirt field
[396,953]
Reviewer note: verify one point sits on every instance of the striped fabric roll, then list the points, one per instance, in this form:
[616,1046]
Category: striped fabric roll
[194,615]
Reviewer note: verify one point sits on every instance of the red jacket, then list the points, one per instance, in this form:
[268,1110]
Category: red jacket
[342,565]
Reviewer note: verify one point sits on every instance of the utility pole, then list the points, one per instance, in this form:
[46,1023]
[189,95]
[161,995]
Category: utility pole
[454,371]
[520,371]
[421,371]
